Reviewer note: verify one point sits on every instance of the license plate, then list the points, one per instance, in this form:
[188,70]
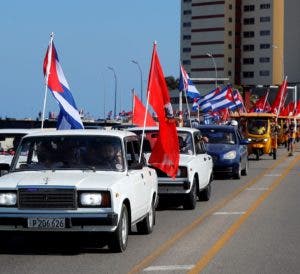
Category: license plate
[44,223]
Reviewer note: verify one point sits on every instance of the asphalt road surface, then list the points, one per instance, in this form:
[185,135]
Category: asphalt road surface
[250,225]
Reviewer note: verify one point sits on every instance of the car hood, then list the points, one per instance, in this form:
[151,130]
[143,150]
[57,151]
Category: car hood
[78,179]
[217,149]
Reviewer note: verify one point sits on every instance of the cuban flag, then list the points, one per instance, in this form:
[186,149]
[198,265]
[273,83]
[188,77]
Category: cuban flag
[205,102]
[223,100]
[186,84]
[238,101]
[68,117]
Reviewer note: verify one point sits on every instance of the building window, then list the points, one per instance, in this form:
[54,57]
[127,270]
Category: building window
[229,72]
[248,34]
[264,73]
[264,32]
[186,62]
[248,61]
[265,46]
[264,59]
[230,19]
[229,59]
[229,46]
[249,21]
[265,6]
[187,12]
[186,24]
[249,8]
[248,47]
[186,49]
[186,37]
[187,1]
[230,6]
[230,33]
[265,19]
[248,74]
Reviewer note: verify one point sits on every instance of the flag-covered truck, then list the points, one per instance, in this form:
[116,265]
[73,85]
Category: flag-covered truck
[79,180]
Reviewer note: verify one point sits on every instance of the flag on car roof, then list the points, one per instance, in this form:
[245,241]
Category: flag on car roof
[165,153]
[223,100]
[68,117]
[186,84]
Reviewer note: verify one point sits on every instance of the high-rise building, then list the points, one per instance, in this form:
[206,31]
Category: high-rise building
[243,42]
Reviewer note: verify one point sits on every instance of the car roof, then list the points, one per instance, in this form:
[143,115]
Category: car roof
[221,127]
[82,132]
[186,129]
[18,130]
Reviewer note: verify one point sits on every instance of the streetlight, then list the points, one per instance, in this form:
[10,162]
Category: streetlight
[115,76]
[136,62]
[215,66]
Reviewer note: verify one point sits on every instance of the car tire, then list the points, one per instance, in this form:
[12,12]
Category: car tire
[205,193]
[191,198]
[119,237]
[238,173]
[274,153]
[146,225]
[245,170]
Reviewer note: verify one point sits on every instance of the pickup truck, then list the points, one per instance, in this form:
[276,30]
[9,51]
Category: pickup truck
[79,180]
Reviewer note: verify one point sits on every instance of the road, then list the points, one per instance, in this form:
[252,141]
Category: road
[249,226]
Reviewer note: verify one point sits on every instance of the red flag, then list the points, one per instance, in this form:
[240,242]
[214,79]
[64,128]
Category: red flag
[280,98]
[165,153]
[139,111]
[297,109]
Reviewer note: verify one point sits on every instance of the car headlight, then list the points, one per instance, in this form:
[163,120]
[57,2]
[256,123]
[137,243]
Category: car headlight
[8,199]
[230,155]
[94,199]
[266,140]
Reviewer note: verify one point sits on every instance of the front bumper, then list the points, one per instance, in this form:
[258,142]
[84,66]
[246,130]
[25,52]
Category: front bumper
[105,222]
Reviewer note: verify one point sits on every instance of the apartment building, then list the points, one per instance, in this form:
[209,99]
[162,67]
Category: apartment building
[243,42]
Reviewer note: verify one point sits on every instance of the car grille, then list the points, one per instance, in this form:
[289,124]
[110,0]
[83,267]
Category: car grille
[46,198]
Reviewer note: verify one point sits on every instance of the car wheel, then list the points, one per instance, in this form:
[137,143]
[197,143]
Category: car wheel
[206,193]
[274,153]
[238,173]
[119,237]
[191,198]
[146,225]
[245,170]
[257,155]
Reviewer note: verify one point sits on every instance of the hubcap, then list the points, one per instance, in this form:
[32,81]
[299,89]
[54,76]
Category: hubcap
[124,229]
[150,216]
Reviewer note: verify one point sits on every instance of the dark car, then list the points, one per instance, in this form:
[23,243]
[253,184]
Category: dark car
[228,149]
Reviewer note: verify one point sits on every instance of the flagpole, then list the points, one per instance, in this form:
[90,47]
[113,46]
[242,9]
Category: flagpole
[47,76]
[180,109]
[267,95]
[285,79]
[188,108]
[133,101]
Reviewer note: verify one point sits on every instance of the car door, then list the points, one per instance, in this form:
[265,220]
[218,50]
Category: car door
[243,150]
[204,161]
[138,185]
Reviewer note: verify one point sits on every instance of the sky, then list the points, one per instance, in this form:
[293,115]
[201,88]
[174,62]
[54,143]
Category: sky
[90,36]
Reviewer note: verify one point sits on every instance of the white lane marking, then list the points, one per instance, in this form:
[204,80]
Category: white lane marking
[229,213]
[168,267]
[257,188]
[272,175]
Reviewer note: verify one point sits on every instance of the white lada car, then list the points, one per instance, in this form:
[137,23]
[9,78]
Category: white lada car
[194,175]
[79,180]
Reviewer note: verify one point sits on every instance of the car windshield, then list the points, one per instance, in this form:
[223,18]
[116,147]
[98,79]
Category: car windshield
[9,143]
[257,126]
[70,152]
[219,136]
[184,140]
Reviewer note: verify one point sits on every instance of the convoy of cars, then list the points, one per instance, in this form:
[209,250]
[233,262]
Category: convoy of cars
[99,180]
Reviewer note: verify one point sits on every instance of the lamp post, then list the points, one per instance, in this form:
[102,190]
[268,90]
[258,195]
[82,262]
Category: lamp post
[141,73]
[215,66]
[115,103]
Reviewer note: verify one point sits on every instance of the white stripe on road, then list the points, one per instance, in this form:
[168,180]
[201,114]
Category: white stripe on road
[168,267]
[229,213]
[272,175]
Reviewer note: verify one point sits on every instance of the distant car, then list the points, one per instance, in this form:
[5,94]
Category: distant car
[228,149]
[9,141]
[194,175]
[79,180]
